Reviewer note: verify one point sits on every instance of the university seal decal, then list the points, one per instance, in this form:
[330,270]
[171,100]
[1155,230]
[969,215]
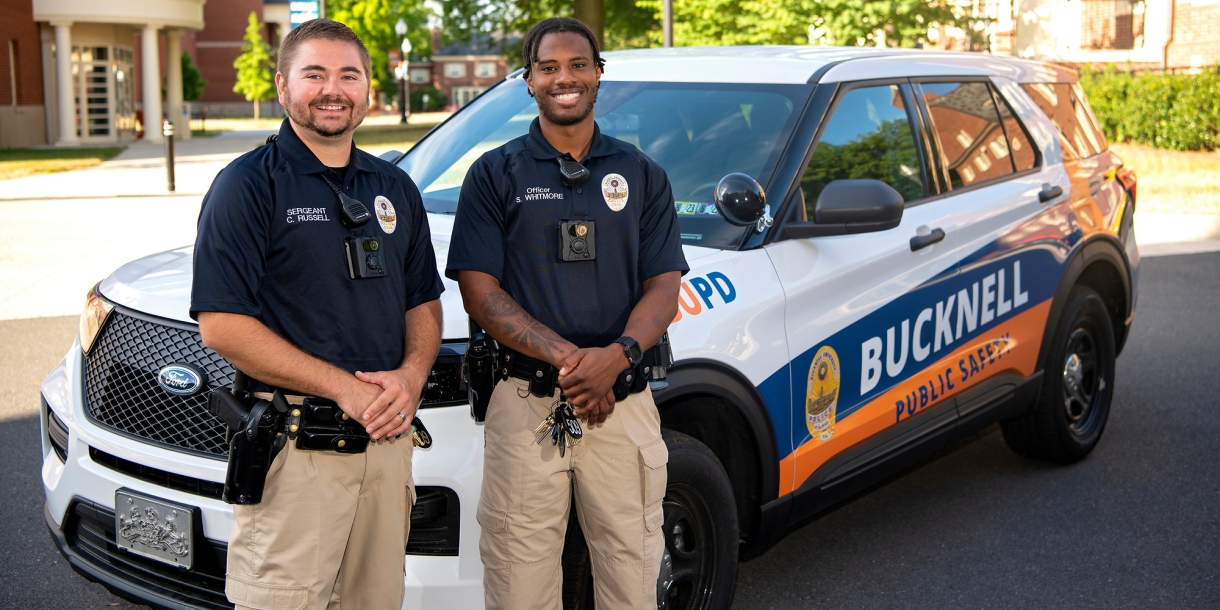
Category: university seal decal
[823,394]
[385,214]
[614,189]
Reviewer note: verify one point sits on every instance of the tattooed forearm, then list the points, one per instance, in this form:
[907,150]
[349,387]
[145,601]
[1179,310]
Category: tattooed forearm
[501,316]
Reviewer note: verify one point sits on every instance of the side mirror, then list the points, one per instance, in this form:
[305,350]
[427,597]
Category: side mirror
[845,207]
[741,201]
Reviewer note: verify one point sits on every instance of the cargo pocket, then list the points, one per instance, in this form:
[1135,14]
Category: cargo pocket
[265,596]
[653,458]
[654,517]
[492,519]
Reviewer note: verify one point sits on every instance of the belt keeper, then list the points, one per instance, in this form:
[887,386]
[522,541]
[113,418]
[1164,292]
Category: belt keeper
[292,423]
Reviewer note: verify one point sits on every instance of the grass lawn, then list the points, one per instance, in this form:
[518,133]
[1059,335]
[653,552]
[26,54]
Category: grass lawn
[386,137]
[17,162]
[1173,182]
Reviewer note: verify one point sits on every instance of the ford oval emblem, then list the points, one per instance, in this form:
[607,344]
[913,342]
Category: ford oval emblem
[182,379]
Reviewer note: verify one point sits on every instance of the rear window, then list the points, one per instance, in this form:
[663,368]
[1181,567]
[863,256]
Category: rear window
[968,127]
[1068,109]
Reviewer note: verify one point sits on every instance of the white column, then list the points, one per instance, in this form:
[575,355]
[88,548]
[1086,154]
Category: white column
[65,95]
[151,70]
[173,85]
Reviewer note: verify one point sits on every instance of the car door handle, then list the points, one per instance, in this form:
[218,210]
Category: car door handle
[920,242]
[1049,192]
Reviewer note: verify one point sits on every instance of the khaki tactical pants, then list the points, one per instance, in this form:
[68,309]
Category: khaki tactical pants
[331,531]
[618,476]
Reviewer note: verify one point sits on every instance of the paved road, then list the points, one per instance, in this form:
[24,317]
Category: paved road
[1136,525]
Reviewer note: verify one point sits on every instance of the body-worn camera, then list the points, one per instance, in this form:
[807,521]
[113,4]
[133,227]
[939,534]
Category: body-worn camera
[364,257]
[577,241]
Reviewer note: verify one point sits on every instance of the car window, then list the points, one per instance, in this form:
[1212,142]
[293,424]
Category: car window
[967,125]
[868,136]
[697,132]
[1066,107]
[1024,154]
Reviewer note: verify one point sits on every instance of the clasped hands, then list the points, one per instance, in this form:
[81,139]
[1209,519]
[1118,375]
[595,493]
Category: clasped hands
[587,378]
[376,399]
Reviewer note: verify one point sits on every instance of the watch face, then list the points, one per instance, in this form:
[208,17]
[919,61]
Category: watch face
[632,349]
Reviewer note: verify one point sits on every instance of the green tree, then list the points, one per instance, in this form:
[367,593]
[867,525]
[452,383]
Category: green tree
[255,70]
[629,24]
[192,80]
[373,21]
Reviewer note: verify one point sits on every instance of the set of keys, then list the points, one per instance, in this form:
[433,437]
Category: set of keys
[561,425]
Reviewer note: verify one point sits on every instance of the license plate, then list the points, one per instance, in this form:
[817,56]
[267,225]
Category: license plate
[154,528]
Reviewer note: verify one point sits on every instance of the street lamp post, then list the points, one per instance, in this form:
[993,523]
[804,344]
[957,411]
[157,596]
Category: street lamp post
[404,72]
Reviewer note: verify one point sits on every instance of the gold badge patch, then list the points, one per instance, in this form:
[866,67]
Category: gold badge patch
[385,214]
[614,189]
[823,394]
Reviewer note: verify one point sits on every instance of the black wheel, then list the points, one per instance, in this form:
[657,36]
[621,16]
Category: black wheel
[699,569]
[1074,401]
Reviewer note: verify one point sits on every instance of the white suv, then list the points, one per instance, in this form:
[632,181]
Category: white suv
[946,244]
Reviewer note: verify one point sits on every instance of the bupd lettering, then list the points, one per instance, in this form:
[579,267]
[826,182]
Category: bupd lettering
[985,302]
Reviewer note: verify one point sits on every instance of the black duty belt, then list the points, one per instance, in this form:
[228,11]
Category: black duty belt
[316,423]
[542,377]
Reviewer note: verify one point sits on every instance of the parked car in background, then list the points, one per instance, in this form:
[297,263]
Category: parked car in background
[946,243]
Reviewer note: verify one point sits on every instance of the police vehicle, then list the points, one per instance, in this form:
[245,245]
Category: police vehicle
[923,244]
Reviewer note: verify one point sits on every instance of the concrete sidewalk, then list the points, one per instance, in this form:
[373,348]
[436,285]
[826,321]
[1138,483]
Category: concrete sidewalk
[139,171]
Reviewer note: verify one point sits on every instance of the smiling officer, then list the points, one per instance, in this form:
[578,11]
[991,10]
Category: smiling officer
[331,301]
[566,249]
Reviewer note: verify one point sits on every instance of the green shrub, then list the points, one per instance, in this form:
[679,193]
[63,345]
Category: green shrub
[1175,111]
[436,99]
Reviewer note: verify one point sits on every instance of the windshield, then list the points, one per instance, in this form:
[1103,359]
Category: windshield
[698,132]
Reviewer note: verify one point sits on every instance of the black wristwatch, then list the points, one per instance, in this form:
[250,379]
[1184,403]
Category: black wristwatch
[631,349]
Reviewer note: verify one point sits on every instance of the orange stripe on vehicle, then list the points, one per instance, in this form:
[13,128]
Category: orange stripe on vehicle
[1019,338]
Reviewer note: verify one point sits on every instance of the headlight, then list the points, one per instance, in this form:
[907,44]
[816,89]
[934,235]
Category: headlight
[92,318]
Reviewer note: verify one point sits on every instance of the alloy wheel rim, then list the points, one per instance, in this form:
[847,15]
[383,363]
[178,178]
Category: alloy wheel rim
[687,565]
[1083,382]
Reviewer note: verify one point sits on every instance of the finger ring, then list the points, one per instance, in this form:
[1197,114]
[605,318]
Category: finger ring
[404,417]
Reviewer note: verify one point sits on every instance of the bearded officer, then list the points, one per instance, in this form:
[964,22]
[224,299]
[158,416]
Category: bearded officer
[566,249]
[275,294]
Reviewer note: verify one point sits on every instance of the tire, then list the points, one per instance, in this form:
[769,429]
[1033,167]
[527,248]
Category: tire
[699,569]
[1074,402]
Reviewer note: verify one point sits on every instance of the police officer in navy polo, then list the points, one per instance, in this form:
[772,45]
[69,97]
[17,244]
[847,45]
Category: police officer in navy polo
[567,252]
[316,300]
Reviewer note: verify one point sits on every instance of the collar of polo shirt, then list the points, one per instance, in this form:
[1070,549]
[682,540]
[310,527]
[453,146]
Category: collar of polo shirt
[304,161]
[541,149]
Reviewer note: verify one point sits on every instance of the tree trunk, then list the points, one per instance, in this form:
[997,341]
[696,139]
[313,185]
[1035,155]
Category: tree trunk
[593,14]
[256,110]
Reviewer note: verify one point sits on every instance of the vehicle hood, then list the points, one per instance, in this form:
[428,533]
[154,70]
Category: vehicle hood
[160,284]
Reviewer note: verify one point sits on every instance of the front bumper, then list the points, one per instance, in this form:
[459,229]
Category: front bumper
[80,505]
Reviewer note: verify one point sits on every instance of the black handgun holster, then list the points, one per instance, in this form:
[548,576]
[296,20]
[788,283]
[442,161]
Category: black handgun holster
[479,370]
[252,441]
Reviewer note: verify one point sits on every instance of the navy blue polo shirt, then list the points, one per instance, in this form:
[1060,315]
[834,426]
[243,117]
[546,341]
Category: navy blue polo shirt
[507,226]
[270,246]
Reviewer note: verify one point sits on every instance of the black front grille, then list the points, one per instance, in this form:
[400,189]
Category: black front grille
[122,394]
[121,390]
[89,531]
[156,476]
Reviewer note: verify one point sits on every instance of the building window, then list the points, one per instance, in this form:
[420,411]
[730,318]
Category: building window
[455,69]
[421,75]
[464,95]
[485,69]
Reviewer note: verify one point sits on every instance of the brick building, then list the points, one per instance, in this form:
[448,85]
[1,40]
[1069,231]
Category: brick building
[1173,35]
[461,71]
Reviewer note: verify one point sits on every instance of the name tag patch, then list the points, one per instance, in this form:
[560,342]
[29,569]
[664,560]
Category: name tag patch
[385,214]
[298,215]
